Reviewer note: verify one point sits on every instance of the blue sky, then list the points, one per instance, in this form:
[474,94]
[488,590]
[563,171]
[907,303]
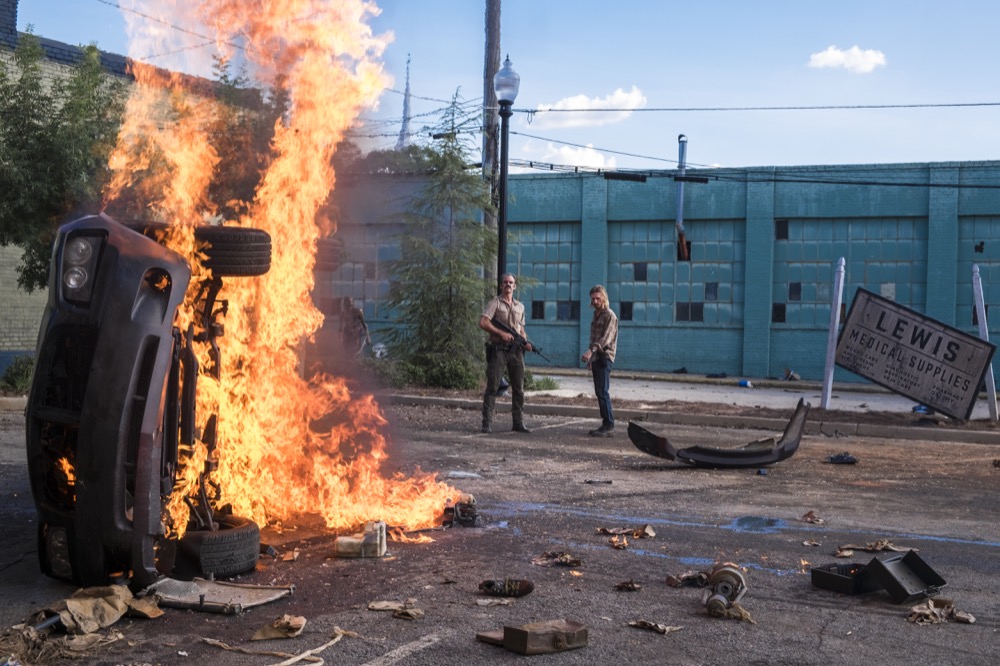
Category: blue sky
[670,58]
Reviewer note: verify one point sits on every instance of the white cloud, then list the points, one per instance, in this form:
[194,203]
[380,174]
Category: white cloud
[853,59]
[563,116]
[581,157]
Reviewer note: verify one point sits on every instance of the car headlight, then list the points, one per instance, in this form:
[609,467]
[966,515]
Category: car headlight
[75,277]
[80,255]
[78,251]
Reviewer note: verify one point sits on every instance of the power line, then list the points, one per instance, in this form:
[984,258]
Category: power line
[209,40]
[603,150]
[826,107]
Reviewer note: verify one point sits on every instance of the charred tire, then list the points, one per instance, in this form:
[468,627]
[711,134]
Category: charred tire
[232,549]
[236,251]
[230,251]
[329,254]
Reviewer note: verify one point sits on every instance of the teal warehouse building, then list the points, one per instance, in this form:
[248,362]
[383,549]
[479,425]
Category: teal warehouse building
[749,293]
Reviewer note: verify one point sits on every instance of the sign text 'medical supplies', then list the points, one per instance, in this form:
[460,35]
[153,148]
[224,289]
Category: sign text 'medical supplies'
[916,356]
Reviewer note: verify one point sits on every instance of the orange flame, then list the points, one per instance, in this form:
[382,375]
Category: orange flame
[270,462]
[399,535]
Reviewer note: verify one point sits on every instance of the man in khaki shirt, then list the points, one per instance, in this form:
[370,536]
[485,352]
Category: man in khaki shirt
[502,352]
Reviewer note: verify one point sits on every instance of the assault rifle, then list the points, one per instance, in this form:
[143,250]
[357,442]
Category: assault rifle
[518,338]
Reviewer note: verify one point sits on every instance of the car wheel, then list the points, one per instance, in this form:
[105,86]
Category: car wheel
[236,251]
[231,251]
[329,254]
[232,549]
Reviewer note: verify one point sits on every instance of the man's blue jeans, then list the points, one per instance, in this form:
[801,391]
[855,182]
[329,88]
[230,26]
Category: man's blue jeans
[600,367]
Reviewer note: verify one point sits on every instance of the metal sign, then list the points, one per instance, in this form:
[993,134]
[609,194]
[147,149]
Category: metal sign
[913,355]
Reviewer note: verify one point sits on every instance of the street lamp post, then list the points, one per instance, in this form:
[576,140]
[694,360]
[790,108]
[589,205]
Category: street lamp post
[505,84]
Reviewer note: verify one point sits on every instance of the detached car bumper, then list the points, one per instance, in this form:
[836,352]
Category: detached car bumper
[95,413]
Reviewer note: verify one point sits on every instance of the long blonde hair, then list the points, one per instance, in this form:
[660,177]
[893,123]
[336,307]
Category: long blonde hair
[599,289]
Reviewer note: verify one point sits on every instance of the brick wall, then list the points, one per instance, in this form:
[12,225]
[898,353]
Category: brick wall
[22,312]
[8,23]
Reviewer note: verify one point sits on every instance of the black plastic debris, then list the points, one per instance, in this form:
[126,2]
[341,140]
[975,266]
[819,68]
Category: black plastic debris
[905,577]
[844,578]
[844,458]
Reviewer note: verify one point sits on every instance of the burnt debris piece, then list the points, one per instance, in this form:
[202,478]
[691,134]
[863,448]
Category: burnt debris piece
[756,453]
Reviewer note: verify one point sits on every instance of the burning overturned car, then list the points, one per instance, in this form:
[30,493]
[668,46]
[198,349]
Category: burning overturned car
[111,409]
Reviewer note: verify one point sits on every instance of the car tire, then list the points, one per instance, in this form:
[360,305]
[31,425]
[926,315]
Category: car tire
[231,550]
[236,251]
[329,254]
[230,251]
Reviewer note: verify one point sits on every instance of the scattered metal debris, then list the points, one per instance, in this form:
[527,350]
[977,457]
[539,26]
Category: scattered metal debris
[628,586]
[463,512]
[727,586]
[688,579]
[214,596]
[654,626]
[811,517]
[551,558]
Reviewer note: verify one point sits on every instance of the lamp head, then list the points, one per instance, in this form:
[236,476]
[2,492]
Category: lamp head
[505,83]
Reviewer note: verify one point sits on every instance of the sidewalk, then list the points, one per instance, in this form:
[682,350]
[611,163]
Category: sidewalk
[655,389]
[769,393]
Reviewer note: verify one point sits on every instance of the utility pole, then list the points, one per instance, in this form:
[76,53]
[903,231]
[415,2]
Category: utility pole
[491,64]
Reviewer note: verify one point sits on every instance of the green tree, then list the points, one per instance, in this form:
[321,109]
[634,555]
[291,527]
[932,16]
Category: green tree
[54,146]
[438,286]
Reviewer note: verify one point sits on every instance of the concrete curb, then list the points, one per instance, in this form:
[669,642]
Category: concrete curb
[16,404]
[813,427]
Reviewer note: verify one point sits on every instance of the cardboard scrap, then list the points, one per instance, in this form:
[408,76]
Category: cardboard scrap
[404,610]
[309,656]
[875,546]
[93,608]
[286,626]
[936,611]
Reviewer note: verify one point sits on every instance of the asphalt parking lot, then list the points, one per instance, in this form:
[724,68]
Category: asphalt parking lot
[551,492]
